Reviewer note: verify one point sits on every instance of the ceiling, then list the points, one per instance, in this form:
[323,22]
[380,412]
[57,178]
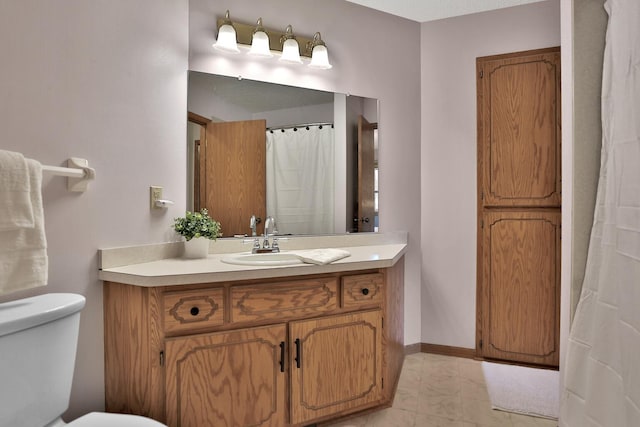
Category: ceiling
[255,96]
[430,10]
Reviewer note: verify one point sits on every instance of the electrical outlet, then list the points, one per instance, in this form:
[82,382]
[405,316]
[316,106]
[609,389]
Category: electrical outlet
[155,194]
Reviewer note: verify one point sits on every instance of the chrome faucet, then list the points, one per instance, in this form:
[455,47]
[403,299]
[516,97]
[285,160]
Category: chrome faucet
[269,231]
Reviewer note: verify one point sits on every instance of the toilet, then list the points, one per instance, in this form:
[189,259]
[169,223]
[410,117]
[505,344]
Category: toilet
[38,341]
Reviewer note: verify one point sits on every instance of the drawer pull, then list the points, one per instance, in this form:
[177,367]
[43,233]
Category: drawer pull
[201,308]
[365,291]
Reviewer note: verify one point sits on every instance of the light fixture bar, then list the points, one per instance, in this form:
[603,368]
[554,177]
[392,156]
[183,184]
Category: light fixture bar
[244,34]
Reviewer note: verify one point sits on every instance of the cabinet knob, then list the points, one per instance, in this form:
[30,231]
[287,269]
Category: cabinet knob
[365,291]
[194,311]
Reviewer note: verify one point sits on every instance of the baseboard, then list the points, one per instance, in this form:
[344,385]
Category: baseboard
[412,348]
[445,350]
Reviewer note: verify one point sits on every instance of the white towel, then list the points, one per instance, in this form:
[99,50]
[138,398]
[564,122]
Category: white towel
[15,198]
[321,256]
[23,251]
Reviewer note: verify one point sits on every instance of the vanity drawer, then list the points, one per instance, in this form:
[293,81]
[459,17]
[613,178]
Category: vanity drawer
[186,310]
[283,299]
[362,290]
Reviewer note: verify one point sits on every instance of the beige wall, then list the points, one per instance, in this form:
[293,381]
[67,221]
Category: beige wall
[103,80]
[448,52]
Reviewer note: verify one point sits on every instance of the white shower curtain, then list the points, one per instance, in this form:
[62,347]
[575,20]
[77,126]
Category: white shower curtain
[300,179]
[602,369]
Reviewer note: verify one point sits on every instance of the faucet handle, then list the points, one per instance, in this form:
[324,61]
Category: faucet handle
[251,240]
[253,224]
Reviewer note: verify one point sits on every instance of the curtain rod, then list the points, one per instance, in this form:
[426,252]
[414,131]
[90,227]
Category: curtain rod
[295,127]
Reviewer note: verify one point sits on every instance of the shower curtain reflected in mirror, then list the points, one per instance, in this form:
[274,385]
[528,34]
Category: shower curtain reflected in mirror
[300,179]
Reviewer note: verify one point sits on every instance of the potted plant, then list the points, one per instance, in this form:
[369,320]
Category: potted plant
[197,228]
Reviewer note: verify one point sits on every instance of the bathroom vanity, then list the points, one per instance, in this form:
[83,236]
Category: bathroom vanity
[195,343]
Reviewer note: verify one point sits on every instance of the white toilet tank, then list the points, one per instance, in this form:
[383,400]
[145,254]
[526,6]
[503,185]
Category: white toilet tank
[38,340]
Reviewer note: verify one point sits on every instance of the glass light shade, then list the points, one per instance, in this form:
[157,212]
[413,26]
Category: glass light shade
[227,39]
[320,58]
[260,45]
[290,52]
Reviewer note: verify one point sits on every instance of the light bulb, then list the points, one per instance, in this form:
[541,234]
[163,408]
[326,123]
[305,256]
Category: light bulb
[227,36]
[291,52]
[260,45]
[320,58]
[290,49]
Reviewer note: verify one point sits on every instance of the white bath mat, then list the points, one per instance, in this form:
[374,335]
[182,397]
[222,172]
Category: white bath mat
[523,390]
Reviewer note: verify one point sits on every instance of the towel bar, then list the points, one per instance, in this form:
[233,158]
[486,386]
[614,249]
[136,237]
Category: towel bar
[61,171]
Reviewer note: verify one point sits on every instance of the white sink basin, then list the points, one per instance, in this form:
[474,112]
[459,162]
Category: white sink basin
[247,258]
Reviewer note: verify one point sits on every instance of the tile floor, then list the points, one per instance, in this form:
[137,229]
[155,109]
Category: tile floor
[442,391]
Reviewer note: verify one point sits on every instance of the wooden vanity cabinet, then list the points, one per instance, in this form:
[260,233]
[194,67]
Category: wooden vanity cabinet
[274,352]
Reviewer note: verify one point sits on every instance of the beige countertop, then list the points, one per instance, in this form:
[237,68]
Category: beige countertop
[382,253]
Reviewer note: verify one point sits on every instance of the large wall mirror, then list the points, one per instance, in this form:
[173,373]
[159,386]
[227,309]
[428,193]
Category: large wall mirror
[307,158]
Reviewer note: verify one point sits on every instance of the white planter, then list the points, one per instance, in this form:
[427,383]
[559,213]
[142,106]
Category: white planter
[196,248]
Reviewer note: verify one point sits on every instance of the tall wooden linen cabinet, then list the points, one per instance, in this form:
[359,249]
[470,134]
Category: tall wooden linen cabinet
[519,200]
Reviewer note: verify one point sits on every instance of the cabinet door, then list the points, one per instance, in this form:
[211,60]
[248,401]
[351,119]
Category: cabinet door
[336,364]
[521,286]
[235,170]
[227,379]
[519,129]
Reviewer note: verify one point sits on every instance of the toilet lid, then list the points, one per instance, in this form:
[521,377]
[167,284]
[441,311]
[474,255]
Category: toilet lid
[100,419]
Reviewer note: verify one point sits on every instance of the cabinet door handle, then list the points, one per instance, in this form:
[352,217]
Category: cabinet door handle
[282,356]
[365,291]
[298,352]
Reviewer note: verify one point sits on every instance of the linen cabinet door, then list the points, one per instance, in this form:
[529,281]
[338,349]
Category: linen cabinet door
[521,287]
[227,379]
[519,129]
[336,365]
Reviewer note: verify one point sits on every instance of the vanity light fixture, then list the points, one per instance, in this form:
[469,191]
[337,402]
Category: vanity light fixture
[319,53]
[260,42]
[290,48]
[227,36]
[257,41]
